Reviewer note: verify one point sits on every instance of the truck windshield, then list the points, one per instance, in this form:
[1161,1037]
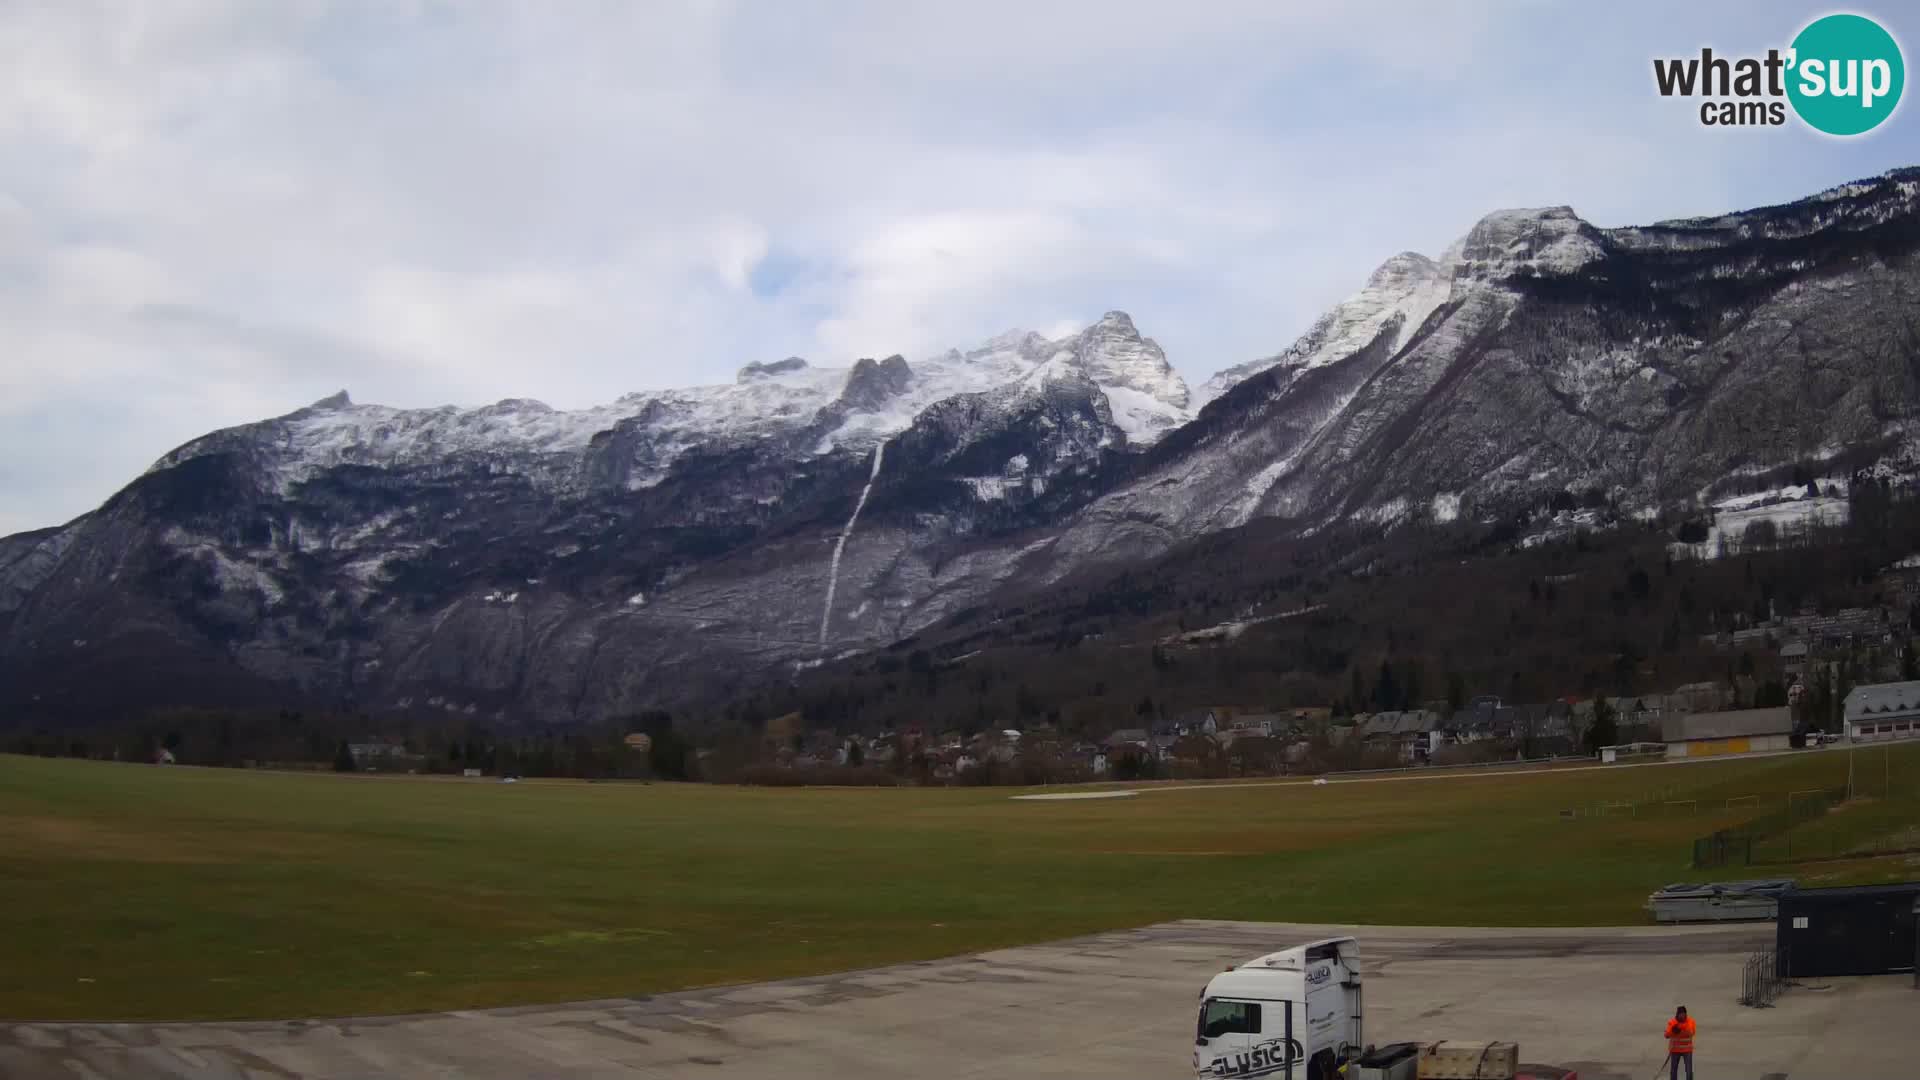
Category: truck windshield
[1219,1018]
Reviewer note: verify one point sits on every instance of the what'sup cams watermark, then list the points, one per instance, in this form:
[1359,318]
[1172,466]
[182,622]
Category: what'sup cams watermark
[1842,75]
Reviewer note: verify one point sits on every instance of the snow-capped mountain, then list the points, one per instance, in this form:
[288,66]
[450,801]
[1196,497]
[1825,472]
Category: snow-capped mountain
[1541,354]
[718,514]
[524,562]
[1399,296]
[840,409]
[1409,287]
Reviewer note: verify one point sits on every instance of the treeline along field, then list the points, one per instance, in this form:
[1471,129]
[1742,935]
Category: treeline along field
[141,892]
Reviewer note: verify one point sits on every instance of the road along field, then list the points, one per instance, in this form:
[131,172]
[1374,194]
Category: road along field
[142,893]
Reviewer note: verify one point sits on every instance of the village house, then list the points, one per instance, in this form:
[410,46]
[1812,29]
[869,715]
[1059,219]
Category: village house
[1411,734]
[1529,726]
[1901,581]
[1550,728]
[1419,734]
[1193,750]
[1265,723]
[1562,727]
[996,744]
[377,751]
[1637,718]
[1793,659]
[1484,720]
[1161,745]
[1882,711]
[1312,716]
[1197,722]
[1695,697]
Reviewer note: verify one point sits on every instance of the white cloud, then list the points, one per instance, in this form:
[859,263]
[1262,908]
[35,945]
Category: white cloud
[912,279]
[214,210]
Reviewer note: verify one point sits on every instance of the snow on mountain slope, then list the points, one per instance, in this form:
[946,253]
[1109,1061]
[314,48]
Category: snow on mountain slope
[1265,448]
[858,406]
[1401,293]
[1526,360]
[1144,417]
[1409,287]
[1113,354]
[997,362]
[765,400]
[1510,243]
[494,558]
[1147,397]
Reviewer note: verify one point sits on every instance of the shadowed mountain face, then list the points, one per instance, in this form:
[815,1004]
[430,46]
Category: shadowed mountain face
[518,562]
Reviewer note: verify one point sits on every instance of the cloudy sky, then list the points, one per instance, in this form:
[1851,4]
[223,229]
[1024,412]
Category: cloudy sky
[217,210]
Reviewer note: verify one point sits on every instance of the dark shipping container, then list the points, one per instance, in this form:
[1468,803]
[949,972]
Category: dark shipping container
[1860,930]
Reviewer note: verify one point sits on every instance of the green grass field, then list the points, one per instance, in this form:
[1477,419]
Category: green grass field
[133,892]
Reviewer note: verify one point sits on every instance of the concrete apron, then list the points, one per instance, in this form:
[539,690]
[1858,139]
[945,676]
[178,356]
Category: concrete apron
[1117,1005]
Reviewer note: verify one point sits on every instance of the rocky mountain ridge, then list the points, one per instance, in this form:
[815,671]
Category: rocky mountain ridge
[522,563]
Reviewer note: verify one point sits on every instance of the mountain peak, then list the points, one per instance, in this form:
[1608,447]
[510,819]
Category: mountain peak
[332,402]
[760,369]
[1014,339]
[1406,266]
[871,383]
[1539,240]
[1397,299]
[1562,212]
[1113,354]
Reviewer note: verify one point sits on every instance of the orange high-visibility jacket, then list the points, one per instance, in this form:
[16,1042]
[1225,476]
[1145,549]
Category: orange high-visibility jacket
[1680,1036]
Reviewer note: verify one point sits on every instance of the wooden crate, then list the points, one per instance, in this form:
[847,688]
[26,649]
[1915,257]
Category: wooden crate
[1469,1061]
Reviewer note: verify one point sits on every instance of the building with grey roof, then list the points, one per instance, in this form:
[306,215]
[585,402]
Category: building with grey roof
[1882,711]
[1734,731]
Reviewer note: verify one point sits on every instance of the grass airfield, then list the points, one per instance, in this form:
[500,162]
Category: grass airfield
[131,892]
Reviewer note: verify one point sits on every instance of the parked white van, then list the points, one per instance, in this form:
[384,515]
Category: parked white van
[1293,1014]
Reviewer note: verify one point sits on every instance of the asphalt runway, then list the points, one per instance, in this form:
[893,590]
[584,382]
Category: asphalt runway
[1112,1006]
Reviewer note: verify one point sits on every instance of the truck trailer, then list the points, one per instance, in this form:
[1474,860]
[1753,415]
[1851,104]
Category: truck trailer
[1297,1014]
[1293,1014]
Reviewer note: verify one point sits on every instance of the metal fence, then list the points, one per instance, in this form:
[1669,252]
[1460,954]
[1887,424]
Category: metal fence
[1788,848]
[1736,844]
[1760,979]
[1657,803]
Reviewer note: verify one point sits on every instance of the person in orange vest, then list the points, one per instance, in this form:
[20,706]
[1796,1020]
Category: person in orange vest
[1680,1043]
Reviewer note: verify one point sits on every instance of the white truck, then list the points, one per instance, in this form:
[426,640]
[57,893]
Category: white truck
[1292,1014]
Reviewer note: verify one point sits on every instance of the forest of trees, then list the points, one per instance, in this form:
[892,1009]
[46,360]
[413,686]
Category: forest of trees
[1395,620]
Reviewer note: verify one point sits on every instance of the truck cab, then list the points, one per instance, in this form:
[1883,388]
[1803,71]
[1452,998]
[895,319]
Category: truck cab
[1292,1014]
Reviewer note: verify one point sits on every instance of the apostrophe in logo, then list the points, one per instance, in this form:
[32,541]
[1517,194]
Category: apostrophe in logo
[1848,76]
[1842,75]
